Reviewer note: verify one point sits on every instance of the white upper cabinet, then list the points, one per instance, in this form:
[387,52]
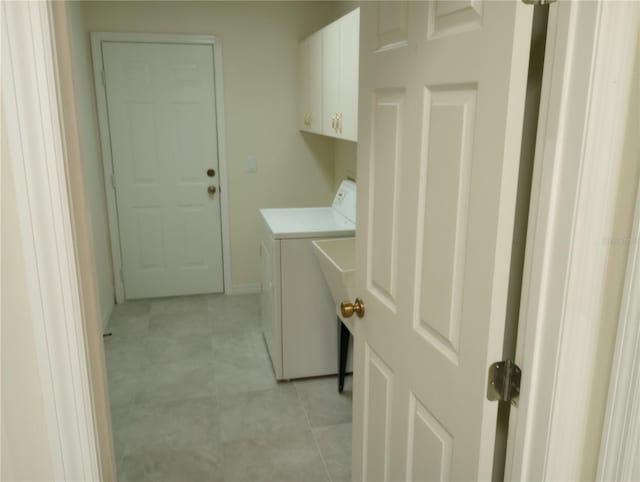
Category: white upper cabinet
[310,61]
[330,78]
[334,97]
[348,76]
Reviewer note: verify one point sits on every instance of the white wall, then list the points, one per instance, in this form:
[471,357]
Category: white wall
[345,158]
[260,75]
[92,160]
[26,453]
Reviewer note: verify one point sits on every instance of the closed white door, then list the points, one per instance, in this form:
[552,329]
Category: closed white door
[163,133]
[442,91]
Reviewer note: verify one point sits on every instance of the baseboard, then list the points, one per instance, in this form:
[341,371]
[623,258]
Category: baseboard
[106,316]
[243,289]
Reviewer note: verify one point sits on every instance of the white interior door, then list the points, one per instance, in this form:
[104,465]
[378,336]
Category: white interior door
[163,133]
[442,89]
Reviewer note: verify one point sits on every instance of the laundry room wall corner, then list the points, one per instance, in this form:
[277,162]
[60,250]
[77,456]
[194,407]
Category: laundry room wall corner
[92,159]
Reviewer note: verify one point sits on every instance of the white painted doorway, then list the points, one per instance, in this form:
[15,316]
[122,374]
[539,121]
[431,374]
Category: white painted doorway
[442,100]
[160,134]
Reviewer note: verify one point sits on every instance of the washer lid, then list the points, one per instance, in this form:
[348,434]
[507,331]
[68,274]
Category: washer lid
[307,223]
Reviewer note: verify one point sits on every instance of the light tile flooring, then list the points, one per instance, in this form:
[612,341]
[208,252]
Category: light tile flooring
[193,398]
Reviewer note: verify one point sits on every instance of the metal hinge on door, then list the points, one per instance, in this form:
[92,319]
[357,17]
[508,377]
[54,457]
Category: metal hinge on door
[504,382]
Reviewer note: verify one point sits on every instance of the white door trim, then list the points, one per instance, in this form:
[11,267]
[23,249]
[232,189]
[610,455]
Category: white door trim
[37,148]
[97,38]
[621,435]
[586,84]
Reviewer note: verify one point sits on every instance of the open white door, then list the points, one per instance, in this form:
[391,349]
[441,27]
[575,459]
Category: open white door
[442,95]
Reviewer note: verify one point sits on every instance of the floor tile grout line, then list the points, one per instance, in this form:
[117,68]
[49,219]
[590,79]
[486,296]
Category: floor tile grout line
[313,435]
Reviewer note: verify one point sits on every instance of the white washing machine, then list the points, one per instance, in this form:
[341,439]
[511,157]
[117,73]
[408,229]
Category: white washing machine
[298,313]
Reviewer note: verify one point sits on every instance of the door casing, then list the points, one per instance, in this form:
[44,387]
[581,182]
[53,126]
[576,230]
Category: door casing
[555,432]
[97,39]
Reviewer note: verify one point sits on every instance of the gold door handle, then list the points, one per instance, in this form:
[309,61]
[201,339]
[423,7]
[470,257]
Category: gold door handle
[339,122]
[333,121]
[212,190]
[348,309]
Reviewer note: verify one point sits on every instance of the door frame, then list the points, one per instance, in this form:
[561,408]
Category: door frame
[588,70]
[97,39]
[619,449]
[56,239]
[36,138]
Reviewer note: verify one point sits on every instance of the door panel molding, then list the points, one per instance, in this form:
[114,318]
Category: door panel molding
[97,39]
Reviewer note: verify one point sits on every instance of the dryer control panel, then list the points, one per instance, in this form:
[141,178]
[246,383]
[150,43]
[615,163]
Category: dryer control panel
[345,200]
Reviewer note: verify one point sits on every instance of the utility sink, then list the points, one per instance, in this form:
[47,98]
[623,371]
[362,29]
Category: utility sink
[337,259]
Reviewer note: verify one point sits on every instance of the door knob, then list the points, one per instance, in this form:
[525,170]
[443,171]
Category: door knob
[348,309]
[211,190]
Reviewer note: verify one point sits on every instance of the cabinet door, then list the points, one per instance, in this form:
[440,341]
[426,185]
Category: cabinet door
[315,83]
[270,304]
[330,77]
[304,78]
[310,78]
[348,74]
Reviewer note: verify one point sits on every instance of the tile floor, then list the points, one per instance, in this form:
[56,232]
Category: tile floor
[193,398]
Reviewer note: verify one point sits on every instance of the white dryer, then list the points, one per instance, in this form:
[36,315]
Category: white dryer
[298,313]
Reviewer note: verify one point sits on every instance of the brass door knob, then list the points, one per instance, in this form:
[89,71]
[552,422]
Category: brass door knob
[348,309]
[211,190]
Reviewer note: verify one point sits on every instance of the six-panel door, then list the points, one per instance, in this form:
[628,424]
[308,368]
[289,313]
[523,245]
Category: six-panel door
[442,89]
[163,136]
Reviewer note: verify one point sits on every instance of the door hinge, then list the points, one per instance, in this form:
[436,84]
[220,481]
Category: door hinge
[538,2]
[504,382]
